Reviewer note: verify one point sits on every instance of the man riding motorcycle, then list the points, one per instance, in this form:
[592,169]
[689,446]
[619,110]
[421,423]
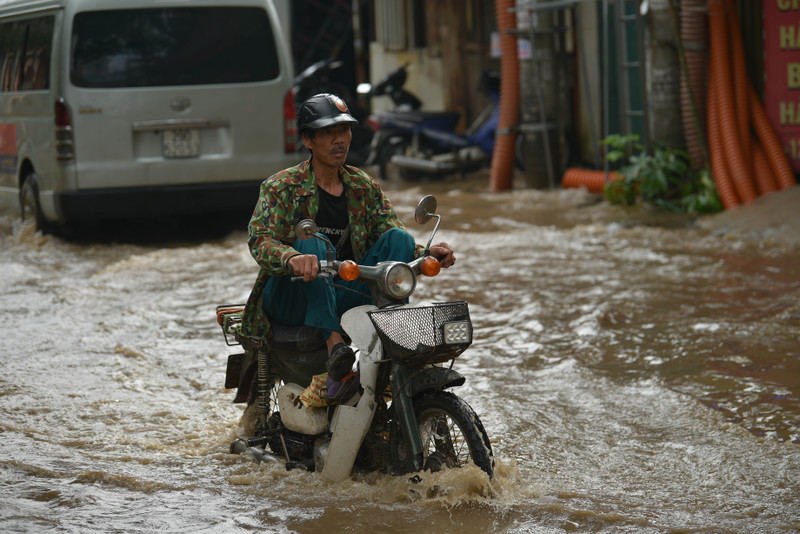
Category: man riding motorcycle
[352,213]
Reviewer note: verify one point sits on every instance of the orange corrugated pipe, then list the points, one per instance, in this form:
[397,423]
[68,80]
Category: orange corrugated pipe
[769,140]
[694,34]
[722,92]
[594,181]
[503,157]
[719,168]
[765,181]
[740,82]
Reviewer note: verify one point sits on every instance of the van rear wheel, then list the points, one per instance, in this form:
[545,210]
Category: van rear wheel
[31,208]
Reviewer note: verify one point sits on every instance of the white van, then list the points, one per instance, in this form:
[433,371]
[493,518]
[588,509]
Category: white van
[141,107]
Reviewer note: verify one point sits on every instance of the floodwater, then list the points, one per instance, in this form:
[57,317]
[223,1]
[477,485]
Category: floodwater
[635,371]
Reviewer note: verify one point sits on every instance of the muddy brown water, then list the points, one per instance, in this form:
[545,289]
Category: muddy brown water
[636,372]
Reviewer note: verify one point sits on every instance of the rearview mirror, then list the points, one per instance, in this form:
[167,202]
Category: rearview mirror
[425,209]
[305,229]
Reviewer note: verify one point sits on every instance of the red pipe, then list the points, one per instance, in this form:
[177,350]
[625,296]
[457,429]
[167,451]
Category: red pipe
[740,83]
[719,168]
[722,93]
[502,172]
[594,181]
[694,34]
[769,140]
[765,180]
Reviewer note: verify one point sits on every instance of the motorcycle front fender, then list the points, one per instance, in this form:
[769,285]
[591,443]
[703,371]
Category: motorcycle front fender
[434,379]
[406,386]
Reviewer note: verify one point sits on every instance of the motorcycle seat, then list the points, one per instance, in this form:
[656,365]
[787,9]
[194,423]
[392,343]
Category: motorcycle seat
[441,120]
[447,139]
[301,338]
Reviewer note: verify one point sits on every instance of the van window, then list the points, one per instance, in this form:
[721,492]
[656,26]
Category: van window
[172,46]
[25,54]
[11,41]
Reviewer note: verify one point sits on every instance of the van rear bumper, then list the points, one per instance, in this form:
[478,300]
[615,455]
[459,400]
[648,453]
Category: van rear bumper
[156,201]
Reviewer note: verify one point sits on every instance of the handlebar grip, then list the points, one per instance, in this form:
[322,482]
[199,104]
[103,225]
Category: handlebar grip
[290,272]
[321,274]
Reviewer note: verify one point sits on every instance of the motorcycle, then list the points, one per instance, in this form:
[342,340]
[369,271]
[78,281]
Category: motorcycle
[413,144]
[393,86]
[401,418]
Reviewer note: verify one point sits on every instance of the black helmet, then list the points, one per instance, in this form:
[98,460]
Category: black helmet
[321,111]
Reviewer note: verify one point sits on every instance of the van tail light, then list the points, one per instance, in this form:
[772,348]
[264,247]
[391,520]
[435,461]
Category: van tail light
[65,141]
[289,123]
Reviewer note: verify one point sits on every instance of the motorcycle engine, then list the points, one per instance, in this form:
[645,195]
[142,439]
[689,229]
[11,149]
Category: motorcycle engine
[375,453]
[298,446]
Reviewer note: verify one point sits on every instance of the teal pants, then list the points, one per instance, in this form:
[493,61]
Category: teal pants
[318,304]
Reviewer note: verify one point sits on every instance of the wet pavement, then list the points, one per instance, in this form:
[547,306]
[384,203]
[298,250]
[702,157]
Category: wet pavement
[636,372]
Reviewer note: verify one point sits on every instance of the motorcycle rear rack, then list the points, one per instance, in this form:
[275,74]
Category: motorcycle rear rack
[229,317]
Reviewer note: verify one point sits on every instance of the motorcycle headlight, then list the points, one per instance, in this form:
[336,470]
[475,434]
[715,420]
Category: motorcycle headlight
[457,333]
[400,281]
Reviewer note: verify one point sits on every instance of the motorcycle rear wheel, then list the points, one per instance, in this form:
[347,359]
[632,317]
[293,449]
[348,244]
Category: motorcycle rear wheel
[451,433]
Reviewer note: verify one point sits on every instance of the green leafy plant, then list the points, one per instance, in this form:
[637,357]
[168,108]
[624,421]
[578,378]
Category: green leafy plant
[700,195]
[662,178]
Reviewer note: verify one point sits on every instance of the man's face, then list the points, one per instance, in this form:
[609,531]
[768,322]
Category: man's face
[330,145]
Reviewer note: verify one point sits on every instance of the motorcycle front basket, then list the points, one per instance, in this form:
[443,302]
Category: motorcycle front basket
[424,334]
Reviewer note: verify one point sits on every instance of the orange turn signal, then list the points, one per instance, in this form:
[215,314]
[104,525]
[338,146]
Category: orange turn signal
[349,271]
[430,266]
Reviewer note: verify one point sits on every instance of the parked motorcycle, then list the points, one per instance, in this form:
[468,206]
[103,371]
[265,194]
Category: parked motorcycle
[401,418]
[412,144]
[393,86]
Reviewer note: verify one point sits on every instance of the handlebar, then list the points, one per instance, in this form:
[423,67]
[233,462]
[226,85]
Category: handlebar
[320,274]
[325,271]
[389,282]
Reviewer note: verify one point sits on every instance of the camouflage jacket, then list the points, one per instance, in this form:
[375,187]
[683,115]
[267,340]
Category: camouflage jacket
[290,196]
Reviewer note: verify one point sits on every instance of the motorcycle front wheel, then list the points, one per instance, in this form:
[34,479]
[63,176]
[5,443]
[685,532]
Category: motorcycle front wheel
[451,433]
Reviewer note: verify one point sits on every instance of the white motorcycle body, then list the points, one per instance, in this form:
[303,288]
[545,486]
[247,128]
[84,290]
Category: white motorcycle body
[350,423]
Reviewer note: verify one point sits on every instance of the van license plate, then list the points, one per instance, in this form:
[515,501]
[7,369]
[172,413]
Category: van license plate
[184,143]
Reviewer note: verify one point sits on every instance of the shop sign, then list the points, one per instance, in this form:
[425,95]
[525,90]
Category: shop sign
[782,73]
